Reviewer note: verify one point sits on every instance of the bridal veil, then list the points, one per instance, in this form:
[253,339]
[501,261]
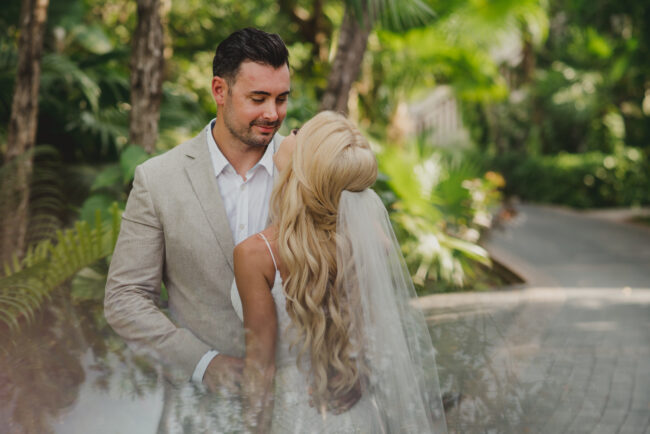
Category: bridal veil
[394,346]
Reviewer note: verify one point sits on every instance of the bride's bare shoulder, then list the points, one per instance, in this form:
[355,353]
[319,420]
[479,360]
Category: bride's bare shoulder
[252,256]
[252,249]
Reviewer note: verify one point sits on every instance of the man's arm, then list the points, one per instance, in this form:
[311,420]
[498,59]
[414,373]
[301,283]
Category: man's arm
[133,288]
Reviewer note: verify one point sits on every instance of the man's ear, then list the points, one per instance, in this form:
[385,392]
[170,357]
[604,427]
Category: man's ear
[219,90]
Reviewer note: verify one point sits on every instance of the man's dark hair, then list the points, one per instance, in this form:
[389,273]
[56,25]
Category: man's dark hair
[248,44]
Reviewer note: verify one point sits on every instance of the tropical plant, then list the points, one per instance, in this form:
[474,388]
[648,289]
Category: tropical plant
[358,21]
[587,180]
[574,129]
[27,283]
[112,183]
[21,133]
[85,95]
[404,65]
[439,208]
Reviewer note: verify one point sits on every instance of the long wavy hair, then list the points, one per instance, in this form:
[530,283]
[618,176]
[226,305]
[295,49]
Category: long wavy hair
[330,156]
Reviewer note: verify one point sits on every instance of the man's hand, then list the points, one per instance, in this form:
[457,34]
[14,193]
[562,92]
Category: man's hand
[224,372]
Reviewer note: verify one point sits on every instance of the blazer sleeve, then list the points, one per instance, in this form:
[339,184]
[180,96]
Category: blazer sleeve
[133,288]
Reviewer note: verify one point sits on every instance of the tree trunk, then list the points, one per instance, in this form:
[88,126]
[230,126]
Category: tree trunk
[314,28]
[347,63]
[147,63]
[17,170]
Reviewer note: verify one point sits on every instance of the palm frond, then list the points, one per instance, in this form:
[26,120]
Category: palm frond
[57,68]
[400,15]
[423,182]
[395,15]
[47,204]
[180,116]
[27,284]
[107,125]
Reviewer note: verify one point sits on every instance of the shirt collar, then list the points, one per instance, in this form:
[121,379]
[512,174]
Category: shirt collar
[220,162]
[267,159]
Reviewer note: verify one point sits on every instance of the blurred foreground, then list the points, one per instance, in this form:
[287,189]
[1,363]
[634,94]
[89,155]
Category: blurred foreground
[568,355]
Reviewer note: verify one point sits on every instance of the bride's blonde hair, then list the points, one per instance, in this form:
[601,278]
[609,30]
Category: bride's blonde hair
[330,156]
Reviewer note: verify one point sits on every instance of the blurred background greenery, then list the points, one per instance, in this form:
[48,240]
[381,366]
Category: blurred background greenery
[468,103]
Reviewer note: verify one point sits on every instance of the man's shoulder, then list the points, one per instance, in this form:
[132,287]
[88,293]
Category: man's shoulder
[177,156]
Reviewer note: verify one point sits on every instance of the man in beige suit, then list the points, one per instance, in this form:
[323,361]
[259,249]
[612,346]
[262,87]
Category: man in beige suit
[187,210]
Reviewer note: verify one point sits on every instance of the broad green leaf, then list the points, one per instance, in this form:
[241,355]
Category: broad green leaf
[130,158]
[93,39]
[98,201]
[109,177]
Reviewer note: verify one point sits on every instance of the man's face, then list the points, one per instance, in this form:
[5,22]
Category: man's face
[255,102]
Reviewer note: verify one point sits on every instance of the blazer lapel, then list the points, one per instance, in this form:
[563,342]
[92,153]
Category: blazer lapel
[204,183]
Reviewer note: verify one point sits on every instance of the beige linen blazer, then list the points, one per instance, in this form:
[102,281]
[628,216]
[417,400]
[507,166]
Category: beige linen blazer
[175,230]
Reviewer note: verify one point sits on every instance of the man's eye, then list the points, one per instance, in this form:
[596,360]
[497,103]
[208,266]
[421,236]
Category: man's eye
[281,100]
[258,100]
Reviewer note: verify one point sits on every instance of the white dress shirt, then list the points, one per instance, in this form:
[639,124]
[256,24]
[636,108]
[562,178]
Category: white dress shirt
[246,203]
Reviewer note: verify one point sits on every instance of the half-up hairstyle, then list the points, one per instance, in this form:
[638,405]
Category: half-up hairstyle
[330,156]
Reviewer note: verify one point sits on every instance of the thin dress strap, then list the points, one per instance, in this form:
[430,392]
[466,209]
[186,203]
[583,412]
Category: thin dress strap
[270,250]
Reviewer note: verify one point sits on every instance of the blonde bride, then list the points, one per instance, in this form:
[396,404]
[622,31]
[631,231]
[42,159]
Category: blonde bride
[332,342]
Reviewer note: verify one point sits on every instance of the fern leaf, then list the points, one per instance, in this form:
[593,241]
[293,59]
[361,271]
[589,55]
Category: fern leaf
[16,263]
[8,316]
[28,283]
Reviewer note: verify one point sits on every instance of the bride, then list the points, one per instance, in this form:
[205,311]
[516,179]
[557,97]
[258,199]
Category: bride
[332,344]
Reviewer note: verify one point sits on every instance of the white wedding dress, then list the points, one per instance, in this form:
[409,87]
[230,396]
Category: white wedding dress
[403,393]
[291,410]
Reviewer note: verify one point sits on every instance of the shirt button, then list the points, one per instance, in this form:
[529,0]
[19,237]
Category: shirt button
[243,187]
[241,227]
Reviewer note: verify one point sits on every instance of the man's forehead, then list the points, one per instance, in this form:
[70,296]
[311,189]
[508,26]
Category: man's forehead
[257,77]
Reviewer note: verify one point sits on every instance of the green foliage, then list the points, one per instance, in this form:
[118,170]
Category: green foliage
[130,158]
[395,15]
[109,177]
[112,183]
[593,67]
[47,203]
[574,129]
[28,283]
[588,180]
[404,64]
[439,208]
[84,95]
[96,203]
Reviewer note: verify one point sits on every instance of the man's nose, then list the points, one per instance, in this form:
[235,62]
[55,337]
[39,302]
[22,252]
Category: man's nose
[271,111]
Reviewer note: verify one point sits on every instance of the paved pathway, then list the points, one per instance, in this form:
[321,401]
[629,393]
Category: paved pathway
[569,352]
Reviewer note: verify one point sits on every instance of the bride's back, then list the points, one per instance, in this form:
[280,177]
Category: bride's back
[343,308]
[330,156]
[292,412]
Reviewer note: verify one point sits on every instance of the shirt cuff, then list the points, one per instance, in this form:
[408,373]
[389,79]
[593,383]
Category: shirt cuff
[199,371]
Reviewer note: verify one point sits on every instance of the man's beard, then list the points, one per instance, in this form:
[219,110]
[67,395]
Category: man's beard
[246,135]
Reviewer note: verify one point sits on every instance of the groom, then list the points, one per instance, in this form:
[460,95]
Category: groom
[188,209]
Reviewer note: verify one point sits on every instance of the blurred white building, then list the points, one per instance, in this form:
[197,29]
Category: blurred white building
[437,117]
